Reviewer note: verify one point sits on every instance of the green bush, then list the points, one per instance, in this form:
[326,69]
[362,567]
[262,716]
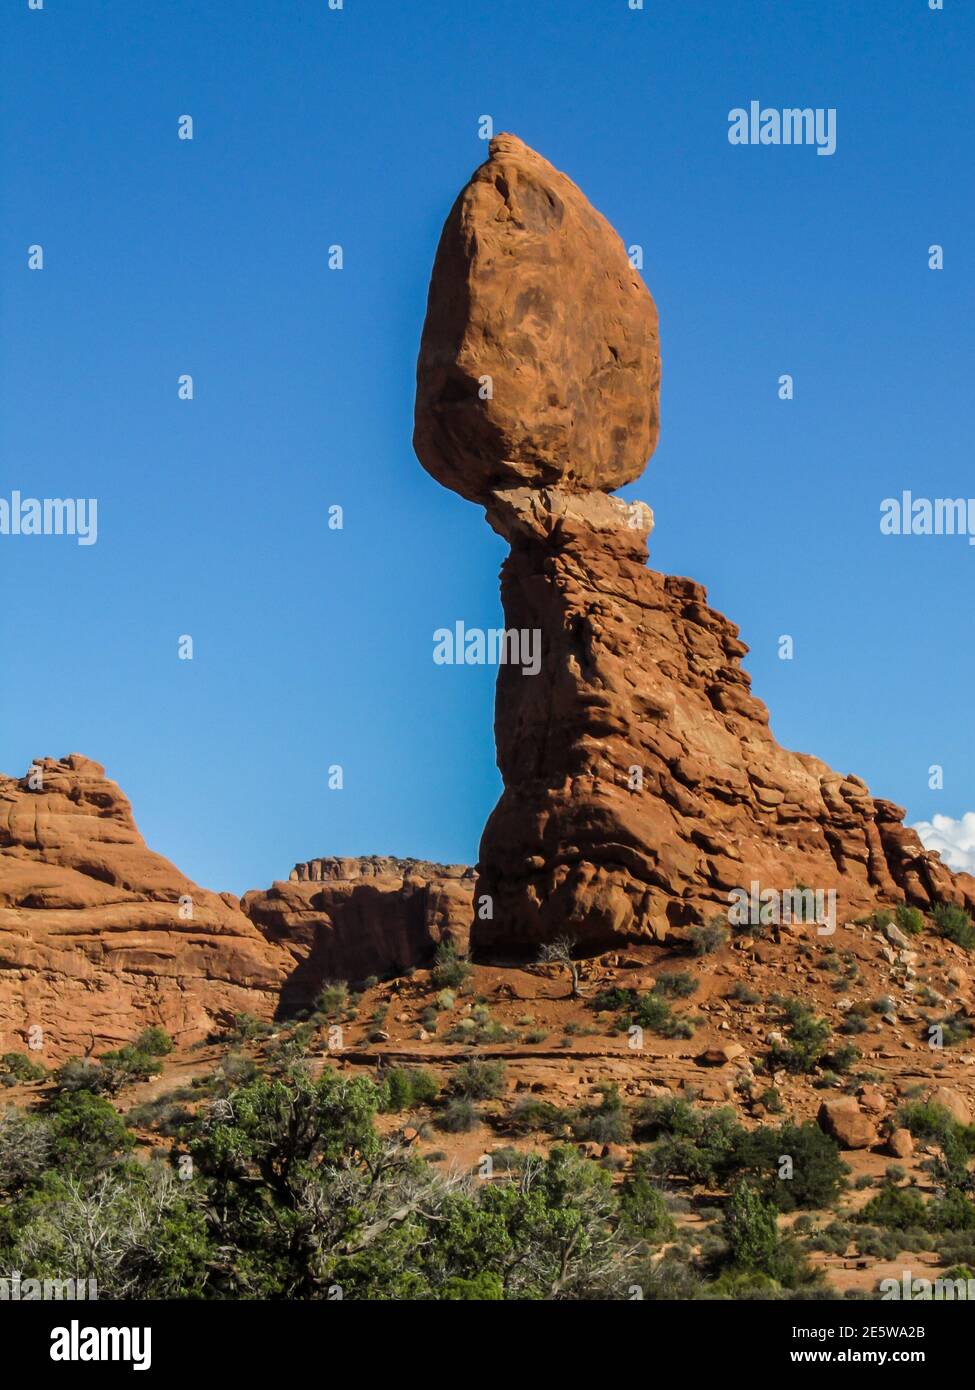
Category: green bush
[479,1080]
[894,1208]
[87,1132]
[805,1043]
[750,1228]
[450,970]
[909,919]
[154,1042]
[332,999]
[926,1120]
[457,1117]
[405,1088]
[20,1068]
[605,1123]
[530,1114]
[643,1209]
[955,925]
[818,1172]
[707,939]
[676,984]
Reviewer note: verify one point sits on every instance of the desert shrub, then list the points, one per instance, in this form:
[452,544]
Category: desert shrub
[894,1208]
[247,1028]
[750,1228]
[20,1068]
[772,1100]
[85,1074]
[955,1029]
[129,1064]
[450,970]
[841,1060]
[756,1250]
[457,1117]
[676,984]
[25,1148]
[530,1114]
[87,1133]
[612,999]
[702,1152]
[405,1088]
[854,1023]
[744,994]
[332,999]
[643,1209]
[605,1123]
[163,1115]
[154,1042]
[536,1035]
[954,924]
[479,1080]
[909,919]
[805,1043]
[705,940]
[952,1212]
[926,1120]
[817,1173]
[666,1115]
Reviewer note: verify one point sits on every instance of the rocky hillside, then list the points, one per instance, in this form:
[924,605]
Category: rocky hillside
[100,936]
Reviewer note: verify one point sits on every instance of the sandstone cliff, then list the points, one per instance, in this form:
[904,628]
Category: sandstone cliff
[347,919]
[99,936]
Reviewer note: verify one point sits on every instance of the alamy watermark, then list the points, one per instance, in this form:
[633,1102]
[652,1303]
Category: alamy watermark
[926,1290]
[756,906]
[17,1289]
[50,516]
[497,646]
[908,515]
[793,125]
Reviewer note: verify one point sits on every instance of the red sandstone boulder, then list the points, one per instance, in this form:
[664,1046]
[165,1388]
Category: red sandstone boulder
[843,1119]
[539,362]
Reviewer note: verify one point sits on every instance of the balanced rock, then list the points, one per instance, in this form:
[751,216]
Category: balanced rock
[642,784]
[539,363]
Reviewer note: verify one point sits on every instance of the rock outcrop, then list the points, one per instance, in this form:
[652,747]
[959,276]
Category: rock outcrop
[347,919]
[100,937]
[641,781]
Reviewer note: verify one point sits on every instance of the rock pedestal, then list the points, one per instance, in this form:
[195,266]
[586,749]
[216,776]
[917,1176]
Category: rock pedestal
[641,782]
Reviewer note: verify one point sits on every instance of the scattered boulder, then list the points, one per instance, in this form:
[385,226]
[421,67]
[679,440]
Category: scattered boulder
[900,1143]
[956,1105]
[719,1056]
[845,1121]
[872,1100]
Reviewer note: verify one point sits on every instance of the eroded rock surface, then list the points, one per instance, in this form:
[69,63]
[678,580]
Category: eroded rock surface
[540,362]
[347,919]
[641,781]
[100,937]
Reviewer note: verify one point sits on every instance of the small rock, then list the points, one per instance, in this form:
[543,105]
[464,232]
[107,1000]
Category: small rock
[901,1143]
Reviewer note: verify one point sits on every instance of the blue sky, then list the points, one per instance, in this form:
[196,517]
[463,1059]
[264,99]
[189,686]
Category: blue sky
[312,646]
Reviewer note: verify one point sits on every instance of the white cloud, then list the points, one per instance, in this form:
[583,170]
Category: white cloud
[953,839]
